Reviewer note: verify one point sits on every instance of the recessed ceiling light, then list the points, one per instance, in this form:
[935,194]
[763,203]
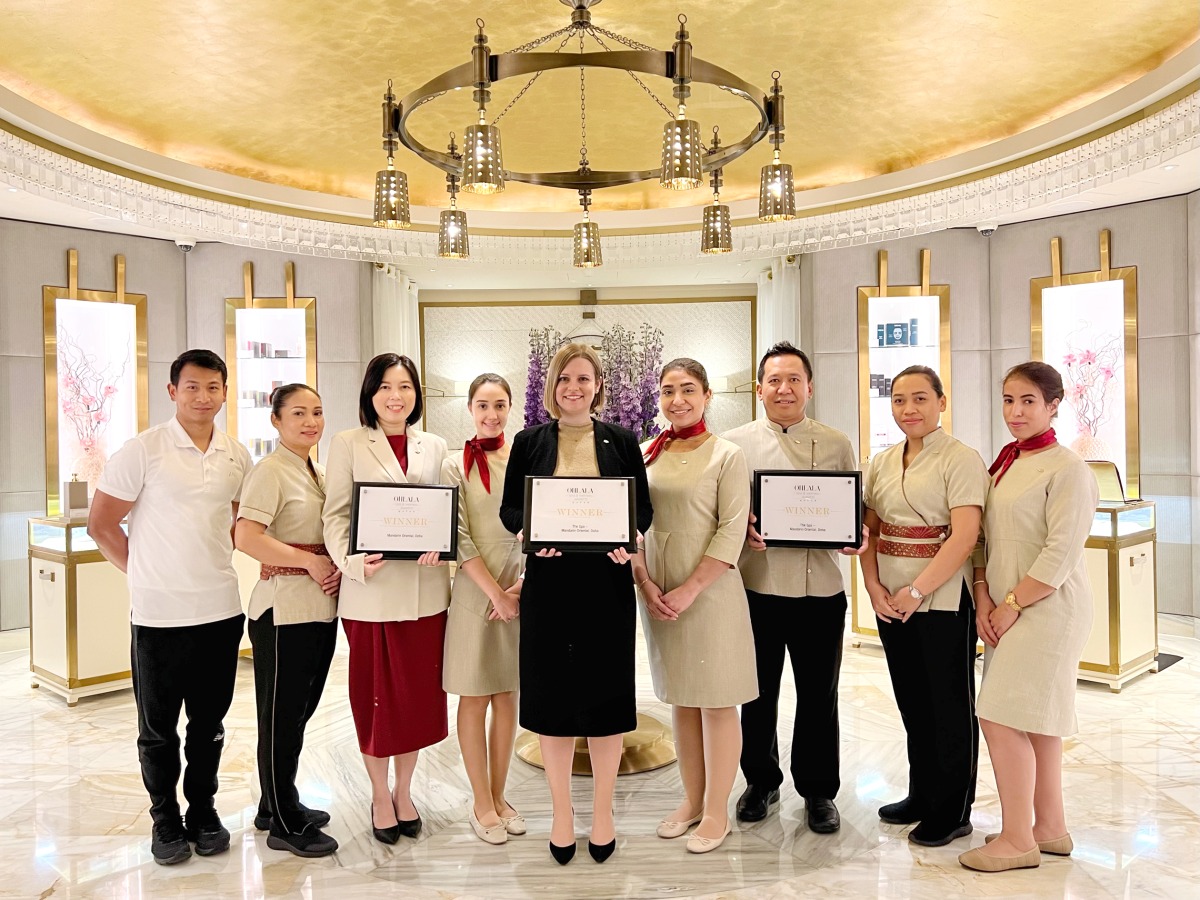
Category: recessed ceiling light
[1170,168]
[13,190]
[432,269]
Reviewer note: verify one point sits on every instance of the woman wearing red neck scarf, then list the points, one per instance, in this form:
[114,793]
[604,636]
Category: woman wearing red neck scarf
[695,614]
[482,636]
[1034,610]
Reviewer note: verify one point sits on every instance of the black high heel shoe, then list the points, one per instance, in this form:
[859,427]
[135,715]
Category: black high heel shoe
[410,828]
[384,835]
[563,855]
[601,852]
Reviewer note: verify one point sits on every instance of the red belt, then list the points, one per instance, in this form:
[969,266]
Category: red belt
[925,540]
[268,571]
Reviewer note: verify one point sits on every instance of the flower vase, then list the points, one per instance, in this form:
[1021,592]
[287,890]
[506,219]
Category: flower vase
[1088,446]
[90,465]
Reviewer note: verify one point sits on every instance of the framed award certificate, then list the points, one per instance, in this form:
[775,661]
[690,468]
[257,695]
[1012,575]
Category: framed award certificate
[812,509]
[402,521]
[579,515]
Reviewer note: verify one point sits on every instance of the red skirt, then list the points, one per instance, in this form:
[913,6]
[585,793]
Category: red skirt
[395,679]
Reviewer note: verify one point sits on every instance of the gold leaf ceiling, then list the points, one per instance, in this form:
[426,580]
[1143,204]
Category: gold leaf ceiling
[288,92]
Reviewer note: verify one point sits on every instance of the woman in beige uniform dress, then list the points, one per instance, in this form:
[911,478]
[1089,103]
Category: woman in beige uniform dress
[696,618]
[482,634]
[1034,610]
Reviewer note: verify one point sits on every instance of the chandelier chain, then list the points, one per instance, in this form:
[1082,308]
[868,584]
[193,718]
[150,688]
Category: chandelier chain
[534,44]
[529,84]
[583,160]
[636,46]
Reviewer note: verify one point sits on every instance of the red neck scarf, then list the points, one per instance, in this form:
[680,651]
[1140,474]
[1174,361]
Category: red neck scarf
[1010,452]
[475,451]
[659,444]
[399,444]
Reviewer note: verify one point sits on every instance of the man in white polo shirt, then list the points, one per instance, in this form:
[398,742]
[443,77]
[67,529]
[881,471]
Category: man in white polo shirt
[179,484]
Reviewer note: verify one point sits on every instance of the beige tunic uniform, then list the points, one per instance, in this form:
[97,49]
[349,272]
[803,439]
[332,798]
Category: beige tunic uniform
[1036,522]
[281,493]
[785,571]
[701,498]
[481,654]
[944,475]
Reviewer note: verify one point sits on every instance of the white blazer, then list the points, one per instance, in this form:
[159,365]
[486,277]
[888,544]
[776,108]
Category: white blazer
[400,590]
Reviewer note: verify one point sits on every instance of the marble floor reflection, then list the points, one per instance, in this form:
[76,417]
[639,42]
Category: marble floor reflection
[74,823]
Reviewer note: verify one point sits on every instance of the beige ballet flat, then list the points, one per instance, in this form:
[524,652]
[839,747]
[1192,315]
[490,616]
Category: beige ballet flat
[697,844]
[979,861]
[514,824]
[1058,847]
[492,834]
[668,829]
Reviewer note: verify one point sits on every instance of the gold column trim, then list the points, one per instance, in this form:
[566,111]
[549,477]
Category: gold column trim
[289,272]
[73,274]
[249,301]
[1128,275]
[51,294]
[1105,238]
[883,273]
[925,271]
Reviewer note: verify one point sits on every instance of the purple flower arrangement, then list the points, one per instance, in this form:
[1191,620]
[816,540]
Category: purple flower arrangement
[543,342]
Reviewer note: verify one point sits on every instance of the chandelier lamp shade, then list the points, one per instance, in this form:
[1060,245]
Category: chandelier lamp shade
[716,227]
[453,239]
[482,169]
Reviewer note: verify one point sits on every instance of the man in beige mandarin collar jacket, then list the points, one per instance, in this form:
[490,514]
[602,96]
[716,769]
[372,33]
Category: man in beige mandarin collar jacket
[797,603]
[401,590]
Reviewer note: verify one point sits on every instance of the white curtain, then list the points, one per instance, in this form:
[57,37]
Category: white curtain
[779,304]
[397,325]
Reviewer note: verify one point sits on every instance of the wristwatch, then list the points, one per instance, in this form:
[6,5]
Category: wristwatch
[1011,599]
[914,593]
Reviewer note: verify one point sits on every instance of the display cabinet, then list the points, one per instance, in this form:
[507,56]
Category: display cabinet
[78,612]
[1120,560]
[269,341]
[898,326]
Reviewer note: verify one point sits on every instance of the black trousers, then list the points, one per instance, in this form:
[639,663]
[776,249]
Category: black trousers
[291,663]
[810,629]
[931,659]
[192,668]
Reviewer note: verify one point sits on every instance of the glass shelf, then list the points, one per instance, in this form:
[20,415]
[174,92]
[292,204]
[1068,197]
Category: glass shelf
[1117,521]
[62,535]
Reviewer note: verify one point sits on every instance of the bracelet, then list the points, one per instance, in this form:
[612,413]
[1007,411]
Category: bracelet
[643,581]
[980,581]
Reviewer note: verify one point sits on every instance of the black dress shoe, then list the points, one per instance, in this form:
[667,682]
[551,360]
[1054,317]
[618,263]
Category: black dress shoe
[823,816]
[934,834]
[410,827]
[318,817]
[755,803]
[310,843]
[601,852]
[169,843]
[388,835]
[563,855]
[205,830]
[902,812]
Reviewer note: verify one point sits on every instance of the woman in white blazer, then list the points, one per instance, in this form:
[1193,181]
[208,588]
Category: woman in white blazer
[393,611]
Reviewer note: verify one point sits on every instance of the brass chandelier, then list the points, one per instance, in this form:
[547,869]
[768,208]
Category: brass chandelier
[480,168]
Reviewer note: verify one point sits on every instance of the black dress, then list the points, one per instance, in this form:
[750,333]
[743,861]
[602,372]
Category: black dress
[578,610]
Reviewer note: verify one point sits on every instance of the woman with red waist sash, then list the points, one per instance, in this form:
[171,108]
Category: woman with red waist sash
[924,499]
[293,613]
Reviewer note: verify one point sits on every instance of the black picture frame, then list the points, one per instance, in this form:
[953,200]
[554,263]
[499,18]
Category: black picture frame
[450,491]
[807,474]
[531,544]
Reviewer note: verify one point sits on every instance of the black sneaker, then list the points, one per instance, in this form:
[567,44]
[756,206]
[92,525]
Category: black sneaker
[902,812]
[311,842]
[934,834]
[205,830]
[169,843]
[318,817]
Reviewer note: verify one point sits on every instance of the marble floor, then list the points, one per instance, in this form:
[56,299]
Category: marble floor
[74,823]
